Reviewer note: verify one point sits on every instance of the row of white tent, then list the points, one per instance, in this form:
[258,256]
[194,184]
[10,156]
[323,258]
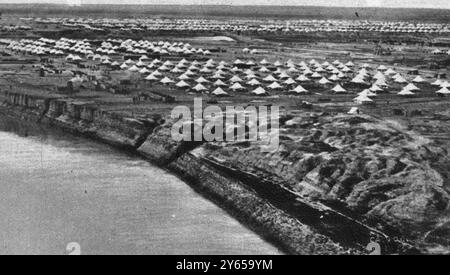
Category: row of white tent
[44,46]
[314,70]
[366,96]
[337,68]
[280,80]
[239,25]
[279,75]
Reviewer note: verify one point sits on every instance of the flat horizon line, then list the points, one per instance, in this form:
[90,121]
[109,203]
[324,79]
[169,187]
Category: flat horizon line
[222,5]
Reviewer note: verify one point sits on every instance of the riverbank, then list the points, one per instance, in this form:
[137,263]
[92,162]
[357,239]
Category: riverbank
[266,203]
[240,200]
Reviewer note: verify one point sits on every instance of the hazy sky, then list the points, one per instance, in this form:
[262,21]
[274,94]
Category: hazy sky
[442,4]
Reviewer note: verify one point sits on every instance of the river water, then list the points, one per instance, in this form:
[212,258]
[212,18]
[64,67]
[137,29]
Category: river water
[56,189]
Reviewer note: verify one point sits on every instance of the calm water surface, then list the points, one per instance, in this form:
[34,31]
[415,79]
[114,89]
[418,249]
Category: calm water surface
[56,189]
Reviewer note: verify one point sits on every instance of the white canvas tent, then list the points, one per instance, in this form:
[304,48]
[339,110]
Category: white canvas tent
[237,86]
[299,90]
[444,91]
[338,89]
[219,92]
[259,91]
[363,99]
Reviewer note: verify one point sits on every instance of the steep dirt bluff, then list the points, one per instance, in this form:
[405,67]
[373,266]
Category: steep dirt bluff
[336,182]
[369,170]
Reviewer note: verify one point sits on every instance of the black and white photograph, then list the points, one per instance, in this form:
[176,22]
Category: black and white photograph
[246,129]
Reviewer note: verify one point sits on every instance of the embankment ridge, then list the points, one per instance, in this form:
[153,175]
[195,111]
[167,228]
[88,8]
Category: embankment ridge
[337,182]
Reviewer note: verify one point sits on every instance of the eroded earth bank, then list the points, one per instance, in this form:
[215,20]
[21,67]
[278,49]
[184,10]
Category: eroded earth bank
[337,182]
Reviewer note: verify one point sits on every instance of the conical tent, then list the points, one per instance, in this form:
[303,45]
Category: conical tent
[445,84]
[269,78]
[302,78]
[379,75]
[307,71]
[235,79]
[338,89]
[166,80]
[316,75]
[151,77]
[289,81]
[190,73]
[362,99]
[346,69]
[176,70]
[299,90]
[381,83]
[248,71]
[375,88]
[259,91]
[184,77]
[157,73]
[250,76]
[163,68]
[418,79]
[331,68]
[444,91]
[341,75]
[275,86]
[201,80]
[363,72]
[264,70]
[336,62]
[182,84]
[411,87]
[334,78]
[324,81]
[319,70]
[253,82]
[236,70]
[140,64]
[144,71]
[219,92]
[406,93]
[205,70]
[199,87]
[237,86]
[303,64]
[349,64]
[168,63]
[390,72]
[277,64]
[358,80]
[219,83]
